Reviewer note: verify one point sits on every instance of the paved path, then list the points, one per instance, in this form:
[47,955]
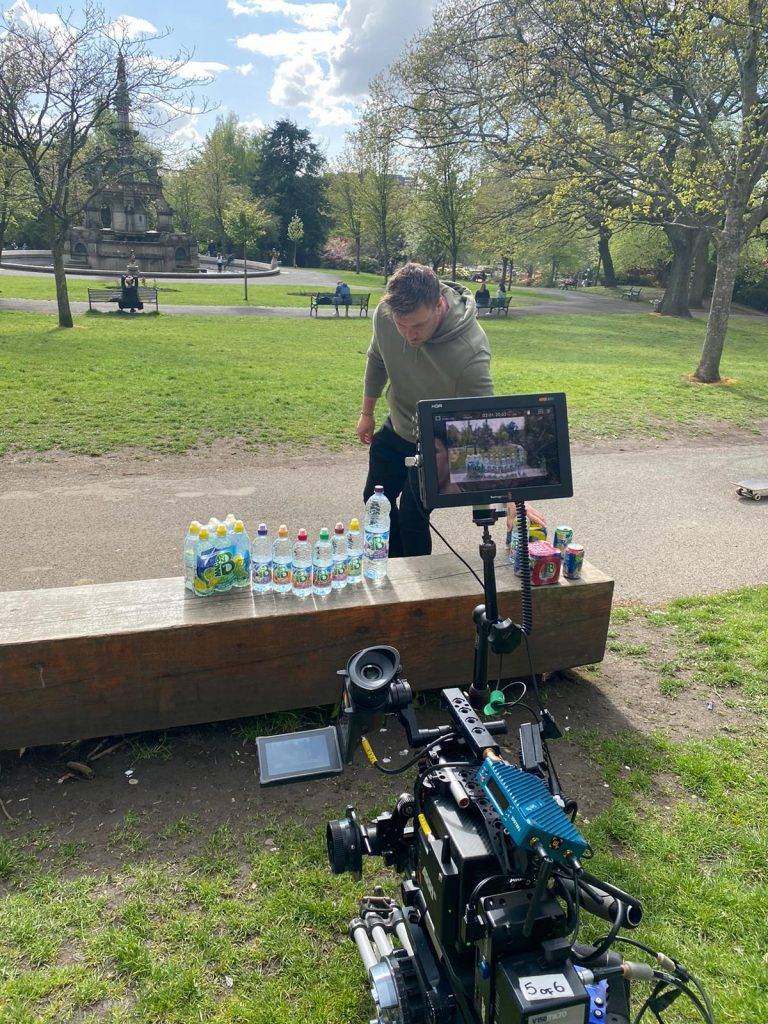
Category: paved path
[664,521]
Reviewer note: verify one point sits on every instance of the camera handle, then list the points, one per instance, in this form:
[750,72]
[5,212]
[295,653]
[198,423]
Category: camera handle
[502,635]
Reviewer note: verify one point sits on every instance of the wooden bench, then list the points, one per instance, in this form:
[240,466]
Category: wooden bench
[80,662]
[113,295]
[633,294]
[329,299]
[499,306]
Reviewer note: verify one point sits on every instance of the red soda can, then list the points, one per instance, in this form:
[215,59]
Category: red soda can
[545,563]
[573,561]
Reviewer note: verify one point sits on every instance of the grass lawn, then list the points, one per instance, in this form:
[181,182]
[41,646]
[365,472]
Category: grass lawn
[167,383]
[264,292]
[244,924]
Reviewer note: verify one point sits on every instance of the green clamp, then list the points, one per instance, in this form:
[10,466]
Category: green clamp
[496,702]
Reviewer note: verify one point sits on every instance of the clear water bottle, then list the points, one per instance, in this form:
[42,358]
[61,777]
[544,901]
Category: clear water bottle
[340,557]
[376,538]
[322,564]
[224,559]
[282,562]
[242,554]
[190,554]
[302,565]
[261,560]
[204,583]
[354,552]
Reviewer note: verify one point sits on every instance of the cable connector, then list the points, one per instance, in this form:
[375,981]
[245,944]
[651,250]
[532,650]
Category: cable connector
[368,750]
[637,971]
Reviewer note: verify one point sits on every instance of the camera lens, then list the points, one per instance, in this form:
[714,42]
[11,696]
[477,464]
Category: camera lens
[344,841]
[370,672]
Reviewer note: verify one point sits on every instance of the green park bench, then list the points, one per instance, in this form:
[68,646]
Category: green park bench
[116,658]
[633,294]
[318,299]
[499,306]
[113,295]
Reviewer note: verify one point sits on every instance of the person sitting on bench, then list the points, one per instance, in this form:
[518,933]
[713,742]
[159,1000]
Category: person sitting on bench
[482,296]
[129,294]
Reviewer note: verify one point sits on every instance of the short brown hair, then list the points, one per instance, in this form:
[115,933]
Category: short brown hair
[412,286]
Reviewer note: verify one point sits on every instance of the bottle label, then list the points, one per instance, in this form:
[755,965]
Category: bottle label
[355,566]
[216,569]
[340,570]
[302,577]
[321,575]
[377,545]
[262,573]
[281,573]
[242,563]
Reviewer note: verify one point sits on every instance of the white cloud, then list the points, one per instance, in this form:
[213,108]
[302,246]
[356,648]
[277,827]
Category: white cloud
[187,137]
[244,69]
[197,69]
[128,27]
[311,15]
[35,19]
[288,44]
[252,124]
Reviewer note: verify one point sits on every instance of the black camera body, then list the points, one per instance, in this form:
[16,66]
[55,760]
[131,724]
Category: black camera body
[481,933]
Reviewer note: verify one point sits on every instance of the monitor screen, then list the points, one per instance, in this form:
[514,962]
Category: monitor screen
[487,450]
[298,755]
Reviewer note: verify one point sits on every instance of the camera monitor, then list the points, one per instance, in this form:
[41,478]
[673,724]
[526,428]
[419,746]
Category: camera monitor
[478,451]
[311,754]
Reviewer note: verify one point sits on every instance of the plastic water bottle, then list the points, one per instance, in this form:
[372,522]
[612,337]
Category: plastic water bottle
[340,557]
[225,559]
[355,552]
[376,542]
[204,583]
[242,554]
[261,561]
[322,564]
[282,562]
[302,565]
[190,554]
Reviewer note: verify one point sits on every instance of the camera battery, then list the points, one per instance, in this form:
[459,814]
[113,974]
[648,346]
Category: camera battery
[527,993]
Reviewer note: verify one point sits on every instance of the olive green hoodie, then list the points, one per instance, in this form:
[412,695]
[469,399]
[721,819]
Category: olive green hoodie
[454,363]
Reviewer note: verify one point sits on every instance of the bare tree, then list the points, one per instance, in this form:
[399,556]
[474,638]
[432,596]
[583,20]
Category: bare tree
[60,80]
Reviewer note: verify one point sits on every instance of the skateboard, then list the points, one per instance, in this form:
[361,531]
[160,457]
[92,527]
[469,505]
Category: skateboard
[755,489]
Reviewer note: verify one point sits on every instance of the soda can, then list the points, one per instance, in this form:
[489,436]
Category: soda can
[573,561]
[563,537]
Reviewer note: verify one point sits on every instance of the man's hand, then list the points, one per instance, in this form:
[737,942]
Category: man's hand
[536,518]
[365,427]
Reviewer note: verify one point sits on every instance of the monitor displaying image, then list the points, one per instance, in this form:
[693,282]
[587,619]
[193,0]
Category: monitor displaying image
[494,449]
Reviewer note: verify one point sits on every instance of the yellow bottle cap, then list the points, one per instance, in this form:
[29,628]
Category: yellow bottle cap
[283,531]
[221,530]
[204,535]
[354,524]
[194,527]
[238,527]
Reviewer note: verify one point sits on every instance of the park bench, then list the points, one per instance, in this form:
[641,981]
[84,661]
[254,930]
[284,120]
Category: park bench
[499,306]
[116,658]
[655,304]
[633,294]
[318,299]
[567,284]
[113,295]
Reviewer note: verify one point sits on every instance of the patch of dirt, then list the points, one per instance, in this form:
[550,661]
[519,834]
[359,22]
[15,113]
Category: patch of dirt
[208,775]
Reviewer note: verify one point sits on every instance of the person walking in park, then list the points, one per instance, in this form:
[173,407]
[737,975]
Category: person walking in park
[426,343]
[219,262]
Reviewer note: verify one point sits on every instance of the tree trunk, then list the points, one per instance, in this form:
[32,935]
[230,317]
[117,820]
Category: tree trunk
[245,269]
[675,301]
[700,271]
[604,256]
[504,262]
[357,254]
[708,370]
[295,246]
[62,295]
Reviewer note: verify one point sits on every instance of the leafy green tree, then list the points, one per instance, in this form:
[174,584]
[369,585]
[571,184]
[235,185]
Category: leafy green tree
[346,193]
[446,194]
[382,186]
[245,221]
[295,233]
[16,199]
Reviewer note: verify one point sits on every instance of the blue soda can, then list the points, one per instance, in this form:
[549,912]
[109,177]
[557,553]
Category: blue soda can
[573,559]
[563,537]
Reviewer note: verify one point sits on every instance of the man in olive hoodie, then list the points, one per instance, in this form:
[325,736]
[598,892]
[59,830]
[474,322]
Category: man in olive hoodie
[426,343]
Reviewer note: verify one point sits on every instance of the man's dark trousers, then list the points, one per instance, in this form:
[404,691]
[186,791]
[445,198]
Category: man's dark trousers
[409,526]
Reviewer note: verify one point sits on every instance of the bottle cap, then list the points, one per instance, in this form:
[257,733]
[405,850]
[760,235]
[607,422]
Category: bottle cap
[213,522]
[238,527]
[338,528]
[194,527]
[379,488]
[301,535]
[204,535]
[324,535]
[229,519]
[221,530]
[282,531]
[354,524]
[262,530]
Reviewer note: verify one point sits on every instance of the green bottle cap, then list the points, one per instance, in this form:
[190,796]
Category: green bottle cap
[324,535]
[496,702]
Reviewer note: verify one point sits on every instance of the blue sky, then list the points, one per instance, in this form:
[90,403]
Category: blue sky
[310,60]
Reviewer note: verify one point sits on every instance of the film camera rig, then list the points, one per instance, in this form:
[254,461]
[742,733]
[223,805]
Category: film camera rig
[494,879]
